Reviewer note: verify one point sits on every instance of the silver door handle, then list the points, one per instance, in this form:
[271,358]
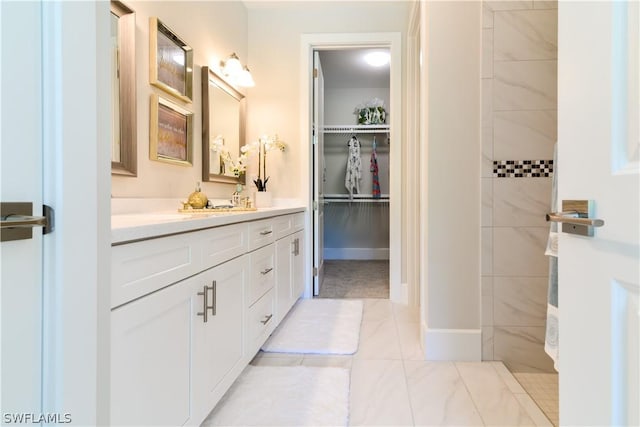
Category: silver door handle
[23,221]
[266,319]
[266,233]
[572,218]
[266,271]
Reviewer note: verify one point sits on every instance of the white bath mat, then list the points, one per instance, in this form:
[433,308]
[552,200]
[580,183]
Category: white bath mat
[320,326]
[285,396]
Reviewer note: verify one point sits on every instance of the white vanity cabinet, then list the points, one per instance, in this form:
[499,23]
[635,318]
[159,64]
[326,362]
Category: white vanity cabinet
[177,345]
[289,262]
[191,309]
[152,356]
[218,345]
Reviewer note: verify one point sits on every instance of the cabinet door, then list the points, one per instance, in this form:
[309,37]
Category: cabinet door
[297,267]
[151,357]
[218,344]
[284,254]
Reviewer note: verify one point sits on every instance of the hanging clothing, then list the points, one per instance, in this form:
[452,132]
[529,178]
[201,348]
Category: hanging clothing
[354,167]
[375,181]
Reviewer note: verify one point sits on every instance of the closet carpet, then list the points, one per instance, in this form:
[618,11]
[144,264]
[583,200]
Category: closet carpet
[355,279]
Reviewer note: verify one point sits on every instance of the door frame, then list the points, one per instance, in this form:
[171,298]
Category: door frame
[398,291]
[77,184]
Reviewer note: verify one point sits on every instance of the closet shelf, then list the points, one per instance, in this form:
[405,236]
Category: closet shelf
[349,129]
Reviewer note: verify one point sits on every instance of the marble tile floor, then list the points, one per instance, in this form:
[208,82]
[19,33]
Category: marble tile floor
[543,389]
[355,279]
[392,386]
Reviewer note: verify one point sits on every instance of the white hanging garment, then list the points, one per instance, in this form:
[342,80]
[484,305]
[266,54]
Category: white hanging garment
[354,167]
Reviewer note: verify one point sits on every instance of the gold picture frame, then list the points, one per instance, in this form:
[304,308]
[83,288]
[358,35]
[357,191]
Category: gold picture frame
[170,61]
[170,132]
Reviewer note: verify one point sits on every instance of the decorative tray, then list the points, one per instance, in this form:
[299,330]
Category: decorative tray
[213,210]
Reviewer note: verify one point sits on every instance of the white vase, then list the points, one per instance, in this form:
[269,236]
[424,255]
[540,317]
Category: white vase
[262,199]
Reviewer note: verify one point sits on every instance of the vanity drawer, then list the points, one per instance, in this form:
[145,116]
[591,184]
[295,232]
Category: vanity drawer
[262,273]
[260,322]
[221,244]
[261,233]
[283,226]
[142,267]
[298,221]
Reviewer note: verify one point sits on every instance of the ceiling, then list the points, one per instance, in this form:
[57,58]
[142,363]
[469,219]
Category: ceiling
[346,68]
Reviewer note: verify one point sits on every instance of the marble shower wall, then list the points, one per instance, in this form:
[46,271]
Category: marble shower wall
[519,123]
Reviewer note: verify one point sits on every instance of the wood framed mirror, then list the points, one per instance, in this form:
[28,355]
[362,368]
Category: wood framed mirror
[123,90]
[223,109]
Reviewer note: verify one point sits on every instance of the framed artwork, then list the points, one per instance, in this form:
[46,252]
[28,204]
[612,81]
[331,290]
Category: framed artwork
[170,132]
[170,61]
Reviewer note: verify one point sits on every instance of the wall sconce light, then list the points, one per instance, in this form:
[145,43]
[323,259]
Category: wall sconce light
[235,72]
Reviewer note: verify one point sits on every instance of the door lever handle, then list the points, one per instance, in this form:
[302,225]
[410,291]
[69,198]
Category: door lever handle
[573,218]
[14,221]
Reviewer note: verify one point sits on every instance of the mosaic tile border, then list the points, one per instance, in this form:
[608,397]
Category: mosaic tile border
[522,168]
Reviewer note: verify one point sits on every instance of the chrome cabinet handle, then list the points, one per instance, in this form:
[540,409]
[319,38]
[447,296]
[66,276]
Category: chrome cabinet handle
[266,319]
[214,289]
[572,218]
[266,271]
[205,299]
[266,232]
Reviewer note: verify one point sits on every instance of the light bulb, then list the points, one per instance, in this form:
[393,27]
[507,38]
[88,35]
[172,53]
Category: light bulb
[377,59]
[245,79]
[232,67]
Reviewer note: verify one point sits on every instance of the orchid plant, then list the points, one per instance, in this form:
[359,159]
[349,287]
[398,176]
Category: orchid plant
[262,146]
[237,166]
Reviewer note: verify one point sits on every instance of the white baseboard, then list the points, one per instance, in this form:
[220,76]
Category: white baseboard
[461,345]
[356,253]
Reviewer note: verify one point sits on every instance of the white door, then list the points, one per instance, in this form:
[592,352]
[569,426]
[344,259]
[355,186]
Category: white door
[318,174]
[598,159]
[21,260]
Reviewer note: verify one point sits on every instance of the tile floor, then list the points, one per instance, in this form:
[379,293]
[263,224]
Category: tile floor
[543,389]
[392,386]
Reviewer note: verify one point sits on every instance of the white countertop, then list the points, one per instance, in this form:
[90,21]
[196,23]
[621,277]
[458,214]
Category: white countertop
[128,227]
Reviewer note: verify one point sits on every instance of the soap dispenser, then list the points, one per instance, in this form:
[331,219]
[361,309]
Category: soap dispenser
[197,199]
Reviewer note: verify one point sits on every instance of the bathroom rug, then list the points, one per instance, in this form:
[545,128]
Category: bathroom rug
[285,396]
[318,326]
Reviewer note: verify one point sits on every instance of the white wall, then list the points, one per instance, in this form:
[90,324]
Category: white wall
[452,297]
[274,48]
[214,30]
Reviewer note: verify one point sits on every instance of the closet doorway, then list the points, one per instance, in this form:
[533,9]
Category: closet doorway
[351,180]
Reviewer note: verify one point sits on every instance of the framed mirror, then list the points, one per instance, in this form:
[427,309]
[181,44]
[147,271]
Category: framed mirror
[223,122]
[123,90]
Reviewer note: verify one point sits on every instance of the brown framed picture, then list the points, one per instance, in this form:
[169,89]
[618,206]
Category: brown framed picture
[170,132]
[170,61]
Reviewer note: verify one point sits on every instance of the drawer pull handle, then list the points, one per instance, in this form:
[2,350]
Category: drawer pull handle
[266,319]
[266,232]
[266,271]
